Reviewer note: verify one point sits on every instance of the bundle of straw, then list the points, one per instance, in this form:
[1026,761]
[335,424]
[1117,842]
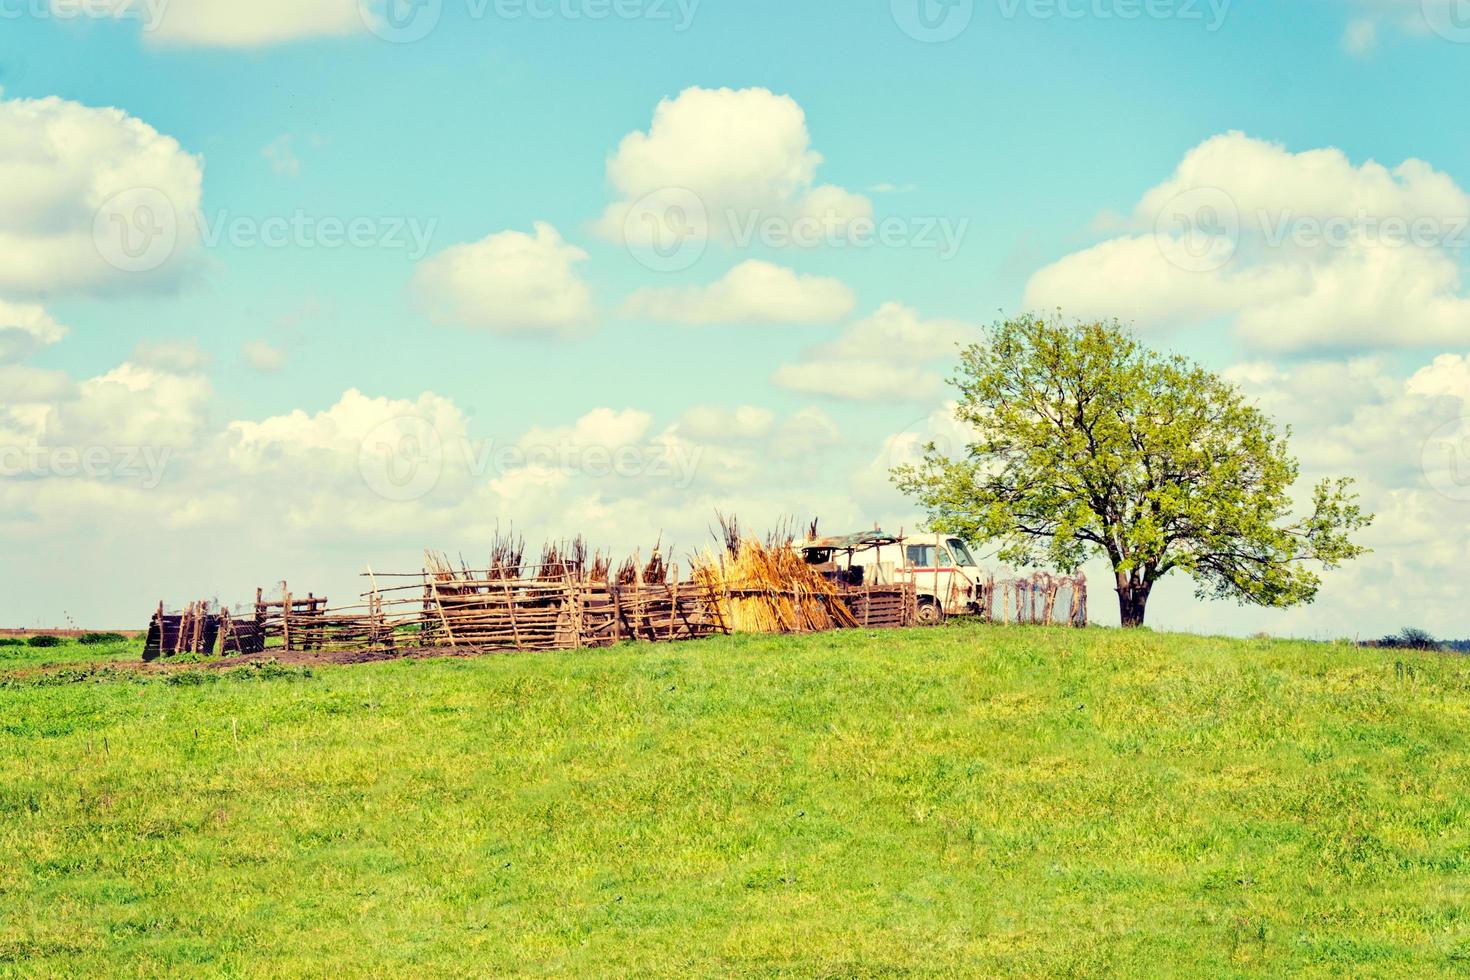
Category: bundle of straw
[769,588]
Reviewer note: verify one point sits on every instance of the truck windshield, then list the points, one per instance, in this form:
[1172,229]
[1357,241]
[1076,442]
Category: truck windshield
[961,553]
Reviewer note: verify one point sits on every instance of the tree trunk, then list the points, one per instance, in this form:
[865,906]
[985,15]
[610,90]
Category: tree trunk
[1132,599]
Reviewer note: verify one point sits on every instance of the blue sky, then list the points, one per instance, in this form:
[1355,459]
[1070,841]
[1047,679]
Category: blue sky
[1039,130]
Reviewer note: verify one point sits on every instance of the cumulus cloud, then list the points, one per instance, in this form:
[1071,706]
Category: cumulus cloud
[139,402]
[171,356]
[134,467]
[261,356]
[282,156]
[805,434]
[337,433]
[1360,36]
[1413,18]
[1408,443]
[25,328]
[882,357]
[93,200]
[1294,251]
[752,292]
[858,380]
[725,157]
[509,282]
[714,423]
[605,428]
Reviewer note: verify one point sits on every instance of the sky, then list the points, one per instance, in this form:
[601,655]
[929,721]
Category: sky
[298,288]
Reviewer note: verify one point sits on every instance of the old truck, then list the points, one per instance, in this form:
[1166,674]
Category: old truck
[947,581]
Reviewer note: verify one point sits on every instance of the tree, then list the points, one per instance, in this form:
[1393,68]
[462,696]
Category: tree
[1088,443]
[1411,638]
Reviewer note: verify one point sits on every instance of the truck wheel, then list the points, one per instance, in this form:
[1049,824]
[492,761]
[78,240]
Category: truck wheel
[929,613]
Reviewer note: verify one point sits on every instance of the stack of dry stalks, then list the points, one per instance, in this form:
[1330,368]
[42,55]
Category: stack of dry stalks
[769,588]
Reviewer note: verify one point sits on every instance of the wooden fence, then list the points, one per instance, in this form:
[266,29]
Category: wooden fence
[1038,600]
[483,610]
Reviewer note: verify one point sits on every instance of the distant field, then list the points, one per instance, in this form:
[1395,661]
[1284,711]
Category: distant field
[961,800]
[15,654]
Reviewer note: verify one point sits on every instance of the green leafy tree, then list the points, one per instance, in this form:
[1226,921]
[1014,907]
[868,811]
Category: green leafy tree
[1088,443]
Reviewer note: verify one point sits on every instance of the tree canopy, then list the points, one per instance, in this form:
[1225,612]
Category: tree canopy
[1088,443]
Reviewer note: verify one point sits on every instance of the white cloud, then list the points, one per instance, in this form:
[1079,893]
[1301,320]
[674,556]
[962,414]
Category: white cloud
[1360,36]
[24,329]
[282,156]
[1355,418]
[605,428]
[336,434]
[509,282]
[805,434]
[1294,250]
[133,404]
[859,380]
[1434,19]
[743,154]
[232,24]
[91,200]
[261,356]
[882,357]
[171,356]
[365,480]
[752,292]
[897,332]
[713,423]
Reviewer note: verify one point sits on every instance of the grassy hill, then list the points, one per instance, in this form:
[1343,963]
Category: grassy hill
[1004,800]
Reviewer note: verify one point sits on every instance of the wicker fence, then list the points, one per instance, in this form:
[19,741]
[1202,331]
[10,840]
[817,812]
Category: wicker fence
[1037,600]
[484,610]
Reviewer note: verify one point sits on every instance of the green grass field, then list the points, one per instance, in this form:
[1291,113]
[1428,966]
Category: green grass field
[959,800]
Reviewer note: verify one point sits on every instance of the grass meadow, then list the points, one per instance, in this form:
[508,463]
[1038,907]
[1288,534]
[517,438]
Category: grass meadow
[960,800]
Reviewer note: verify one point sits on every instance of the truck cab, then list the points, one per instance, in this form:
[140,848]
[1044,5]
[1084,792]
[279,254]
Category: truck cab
[945,576]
